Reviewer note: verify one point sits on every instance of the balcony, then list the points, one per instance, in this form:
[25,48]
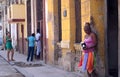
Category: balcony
[16,13]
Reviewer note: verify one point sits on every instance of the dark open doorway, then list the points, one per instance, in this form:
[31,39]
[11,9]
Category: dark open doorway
[112,37]
[39,5]
[78,21]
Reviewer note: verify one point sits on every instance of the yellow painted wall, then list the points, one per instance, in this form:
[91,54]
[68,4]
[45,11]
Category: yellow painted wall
[85,14]
[68,33]
[52,12]
[25,30]
[89,8]
[20,34]
[72,24]
[97,11]
[25,19]
[94,8]
[68,23]
[17,11]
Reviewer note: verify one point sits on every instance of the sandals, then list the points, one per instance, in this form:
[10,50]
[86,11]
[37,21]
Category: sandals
[8,60]
[12,60]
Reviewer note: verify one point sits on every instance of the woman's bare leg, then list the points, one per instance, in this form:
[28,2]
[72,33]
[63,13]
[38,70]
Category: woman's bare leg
[8,56]
[12,55]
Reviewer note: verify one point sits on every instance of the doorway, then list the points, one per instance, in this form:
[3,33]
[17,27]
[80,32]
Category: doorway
[112,37]
[22,31]
[41,31]
[78,21]
[39,5]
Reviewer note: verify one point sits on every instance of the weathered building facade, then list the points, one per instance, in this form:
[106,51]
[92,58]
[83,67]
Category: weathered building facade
[17,27]
[62,18]
[24,17]
[61,24]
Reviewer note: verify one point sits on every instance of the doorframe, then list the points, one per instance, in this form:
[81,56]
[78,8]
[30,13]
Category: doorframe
[22,30]
[41,31]
[105,40]
[45,45]
[118,38]
[18,37]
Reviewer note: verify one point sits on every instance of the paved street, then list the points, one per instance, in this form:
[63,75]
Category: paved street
[6,70]
[30,69]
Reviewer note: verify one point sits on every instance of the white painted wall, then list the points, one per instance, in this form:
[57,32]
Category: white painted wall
[46,15]
[14,34]
[33,16]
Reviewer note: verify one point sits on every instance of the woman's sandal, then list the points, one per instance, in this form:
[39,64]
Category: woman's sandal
[12,60]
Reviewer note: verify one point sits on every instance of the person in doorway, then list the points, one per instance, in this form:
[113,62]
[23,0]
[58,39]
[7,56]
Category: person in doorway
[9,47]
[38,44]
[88,45]
[31,45]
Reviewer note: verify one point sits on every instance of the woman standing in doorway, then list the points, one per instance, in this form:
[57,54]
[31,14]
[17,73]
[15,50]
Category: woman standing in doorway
[89,44]
[9,47]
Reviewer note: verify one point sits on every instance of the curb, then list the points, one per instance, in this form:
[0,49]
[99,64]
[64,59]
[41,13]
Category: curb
[23,72]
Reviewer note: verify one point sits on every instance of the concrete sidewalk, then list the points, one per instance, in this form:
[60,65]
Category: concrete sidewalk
[6,70]
[42,70]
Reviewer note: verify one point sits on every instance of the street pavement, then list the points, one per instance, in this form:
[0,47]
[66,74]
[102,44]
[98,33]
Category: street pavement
[31,69]
[6,70]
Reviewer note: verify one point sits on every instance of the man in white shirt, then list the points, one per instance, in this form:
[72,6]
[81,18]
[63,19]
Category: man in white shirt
[38,43]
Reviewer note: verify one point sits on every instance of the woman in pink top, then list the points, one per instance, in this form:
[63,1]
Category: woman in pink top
[87,60]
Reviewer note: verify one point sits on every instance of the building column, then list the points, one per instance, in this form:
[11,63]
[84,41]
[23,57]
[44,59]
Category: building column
[51,25]
[35,10]
[85,14]
[68,32]
[33,16]
[26,17]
